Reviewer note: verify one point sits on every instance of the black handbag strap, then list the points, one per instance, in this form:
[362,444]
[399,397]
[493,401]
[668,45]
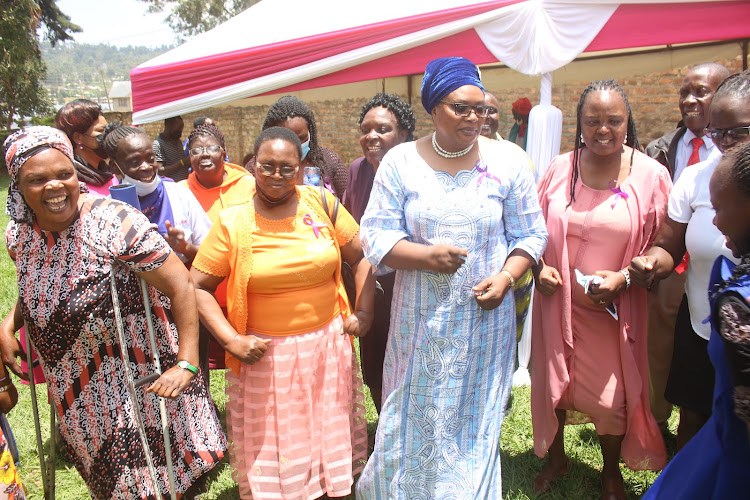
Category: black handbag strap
[325,206]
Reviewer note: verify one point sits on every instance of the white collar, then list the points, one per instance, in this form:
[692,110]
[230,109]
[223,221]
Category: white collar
[689,136]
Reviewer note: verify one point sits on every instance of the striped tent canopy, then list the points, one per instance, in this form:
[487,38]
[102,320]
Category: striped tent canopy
[283,46]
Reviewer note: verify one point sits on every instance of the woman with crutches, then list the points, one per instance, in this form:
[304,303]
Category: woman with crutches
[66,243]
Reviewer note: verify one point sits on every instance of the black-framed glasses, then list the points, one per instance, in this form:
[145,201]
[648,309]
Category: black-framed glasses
[718,134]
[462,109]
[199,150]
[285,171]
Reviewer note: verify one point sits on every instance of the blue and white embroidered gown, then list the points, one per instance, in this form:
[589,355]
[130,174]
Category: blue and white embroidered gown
[448,364]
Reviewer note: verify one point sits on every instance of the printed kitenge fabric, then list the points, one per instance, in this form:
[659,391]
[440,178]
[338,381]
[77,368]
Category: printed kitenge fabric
[64,288]
[11,487]
[448,363]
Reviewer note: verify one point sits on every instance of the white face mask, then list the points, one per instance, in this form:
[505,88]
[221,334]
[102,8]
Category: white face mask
[143,188]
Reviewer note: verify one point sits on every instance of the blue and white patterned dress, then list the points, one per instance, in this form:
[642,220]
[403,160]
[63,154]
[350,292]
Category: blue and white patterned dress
[449,364]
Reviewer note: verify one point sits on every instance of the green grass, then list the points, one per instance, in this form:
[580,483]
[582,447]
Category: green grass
[519,464]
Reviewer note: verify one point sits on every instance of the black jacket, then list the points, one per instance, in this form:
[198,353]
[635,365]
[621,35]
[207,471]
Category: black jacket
[664,149]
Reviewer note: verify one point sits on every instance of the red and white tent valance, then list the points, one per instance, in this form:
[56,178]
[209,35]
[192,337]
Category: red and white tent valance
[280,46]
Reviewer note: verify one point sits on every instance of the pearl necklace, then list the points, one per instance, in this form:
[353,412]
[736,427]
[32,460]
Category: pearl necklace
[447,154]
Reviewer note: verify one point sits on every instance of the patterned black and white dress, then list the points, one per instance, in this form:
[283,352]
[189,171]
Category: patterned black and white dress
[64,286]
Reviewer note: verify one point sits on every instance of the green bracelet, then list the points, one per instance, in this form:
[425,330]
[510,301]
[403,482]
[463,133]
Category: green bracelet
[187,366]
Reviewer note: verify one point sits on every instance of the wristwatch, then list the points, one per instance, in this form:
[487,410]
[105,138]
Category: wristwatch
[187,366]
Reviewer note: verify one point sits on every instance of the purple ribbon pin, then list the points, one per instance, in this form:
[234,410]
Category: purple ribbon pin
[614,186]
[483,171]
[308,220]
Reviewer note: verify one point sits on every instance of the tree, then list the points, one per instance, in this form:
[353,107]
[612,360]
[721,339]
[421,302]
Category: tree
[190,17]
[22,69]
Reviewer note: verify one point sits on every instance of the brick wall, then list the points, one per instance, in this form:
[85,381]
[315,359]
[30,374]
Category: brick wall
[653,99]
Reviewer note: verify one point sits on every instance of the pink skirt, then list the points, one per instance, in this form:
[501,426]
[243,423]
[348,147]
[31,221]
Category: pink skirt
[296,419]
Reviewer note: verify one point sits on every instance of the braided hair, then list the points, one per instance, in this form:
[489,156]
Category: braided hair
[737,161]
[292,107]
[204,131]
[273,133]
[114,132]
[630,140]
[401,110]
[736,85]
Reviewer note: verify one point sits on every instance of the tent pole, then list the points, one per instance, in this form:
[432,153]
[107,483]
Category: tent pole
[743,44]
[408,88]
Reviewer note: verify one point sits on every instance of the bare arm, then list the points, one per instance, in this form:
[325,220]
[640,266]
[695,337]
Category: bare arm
[174,281]
[172,168]
[659,261]
[247,348]
[9,344]
[491,291]
[364,282]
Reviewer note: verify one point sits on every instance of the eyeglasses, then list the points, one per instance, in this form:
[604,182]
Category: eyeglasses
[491,110]
[718,134]
[286,171]
[462,109]
[197,151]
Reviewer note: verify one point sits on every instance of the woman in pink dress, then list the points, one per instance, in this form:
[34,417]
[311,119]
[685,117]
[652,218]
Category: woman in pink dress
[603,203]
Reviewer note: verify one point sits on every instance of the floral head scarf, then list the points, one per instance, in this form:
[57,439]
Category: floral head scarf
[19,147]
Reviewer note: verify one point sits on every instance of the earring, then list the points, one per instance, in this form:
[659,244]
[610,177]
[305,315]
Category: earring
[80,146]
[626,137]
[582,141]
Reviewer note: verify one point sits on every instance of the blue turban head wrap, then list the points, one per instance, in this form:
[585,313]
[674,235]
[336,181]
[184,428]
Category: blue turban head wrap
[444,75]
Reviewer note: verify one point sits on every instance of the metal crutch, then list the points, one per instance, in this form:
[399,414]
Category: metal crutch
[133,383]
[48,480]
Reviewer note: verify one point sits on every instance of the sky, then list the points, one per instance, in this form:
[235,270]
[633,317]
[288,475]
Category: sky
[118,22]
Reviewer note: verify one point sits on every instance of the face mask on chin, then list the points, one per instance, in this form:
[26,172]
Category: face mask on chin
[305,148]
[143,188]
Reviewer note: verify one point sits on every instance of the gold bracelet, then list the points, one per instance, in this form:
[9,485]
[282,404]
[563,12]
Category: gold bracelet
[511,279]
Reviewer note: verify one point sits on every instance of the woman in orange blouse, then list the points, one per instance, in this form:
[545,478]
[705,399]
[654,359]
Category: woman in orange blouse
[295,412]
[216,184]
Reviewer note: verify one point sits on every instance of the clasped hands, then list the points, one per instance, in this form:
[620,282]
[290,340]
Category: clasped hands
[548,281]
[643,271]
[447,259]
[250,349]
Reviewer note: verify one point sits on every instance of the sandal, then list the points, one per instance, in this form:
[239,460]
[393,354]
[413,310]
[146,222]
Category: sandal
[542,483]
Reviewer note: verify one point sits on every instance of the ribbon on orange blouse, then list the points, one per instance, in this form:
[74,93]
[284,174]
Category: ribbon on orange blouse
[308,220]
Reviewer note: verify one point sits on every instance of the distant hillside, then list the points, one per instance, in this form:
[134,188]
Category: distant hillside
[78,70]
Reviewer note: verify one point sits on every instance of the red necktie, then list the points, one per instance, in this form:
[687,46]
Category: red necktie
[695,157]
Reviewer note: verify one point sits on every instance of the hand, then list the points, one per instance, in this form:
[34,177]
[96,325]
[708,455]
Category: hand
[603,295]
[445,259]
[176,238]
[548,280]
[643,271]
[491,291]
[247,348]
[11,350]
[358,324]
[9,398]
[172,382]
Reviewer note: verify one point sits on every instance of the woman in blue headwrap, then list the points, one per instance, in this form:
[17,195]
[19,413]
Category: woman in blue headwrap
[457,217]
